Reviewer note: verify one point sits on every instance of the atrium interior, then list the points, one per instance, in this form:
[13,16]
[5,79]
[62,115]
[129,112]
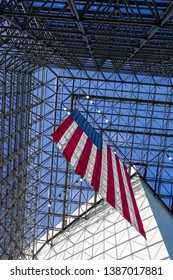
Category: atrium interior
[113,61]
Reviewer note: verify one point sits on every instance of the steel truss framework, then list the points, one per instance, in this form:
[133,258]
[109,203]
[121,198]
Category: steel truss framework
[117,70]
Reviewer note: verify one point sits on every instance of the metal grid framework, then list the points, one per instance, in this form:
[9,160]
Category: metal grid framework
[114,35]
[117,70]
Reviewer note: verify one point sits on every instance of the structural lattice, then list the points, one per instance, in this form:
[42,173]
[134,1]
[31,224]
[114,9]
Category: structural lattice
[110,59]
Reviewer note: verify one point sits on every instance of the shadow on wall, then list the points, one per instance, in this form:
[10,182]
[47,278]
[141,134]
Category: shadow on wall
[163,218]
[105,235]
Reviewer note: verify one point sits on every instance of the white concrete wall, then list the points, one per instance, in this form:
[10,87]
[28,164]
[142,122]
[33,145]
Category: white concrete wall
[106,235]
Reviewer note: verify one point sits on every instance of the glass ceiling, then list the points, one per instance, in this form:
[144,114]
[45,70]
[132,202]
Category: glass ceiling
[112,60]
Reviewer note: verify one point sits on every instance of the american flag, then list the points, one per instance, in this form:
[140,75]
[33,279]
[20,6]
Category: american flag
[95,162]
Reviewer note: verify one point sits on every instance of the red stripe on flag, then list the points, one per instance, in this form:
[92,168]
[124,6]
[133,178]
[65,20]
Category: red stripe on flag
[72,143]
[110,184]
[59,132]
[97,171]
[84,158]
[125,209]
[138,218]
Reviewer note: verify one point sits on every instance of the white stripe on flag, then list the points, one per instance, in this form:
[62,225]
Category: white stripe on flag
[90,167]
[103,179]
[67,136]
[129,200]
[78,150]
[118,204]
